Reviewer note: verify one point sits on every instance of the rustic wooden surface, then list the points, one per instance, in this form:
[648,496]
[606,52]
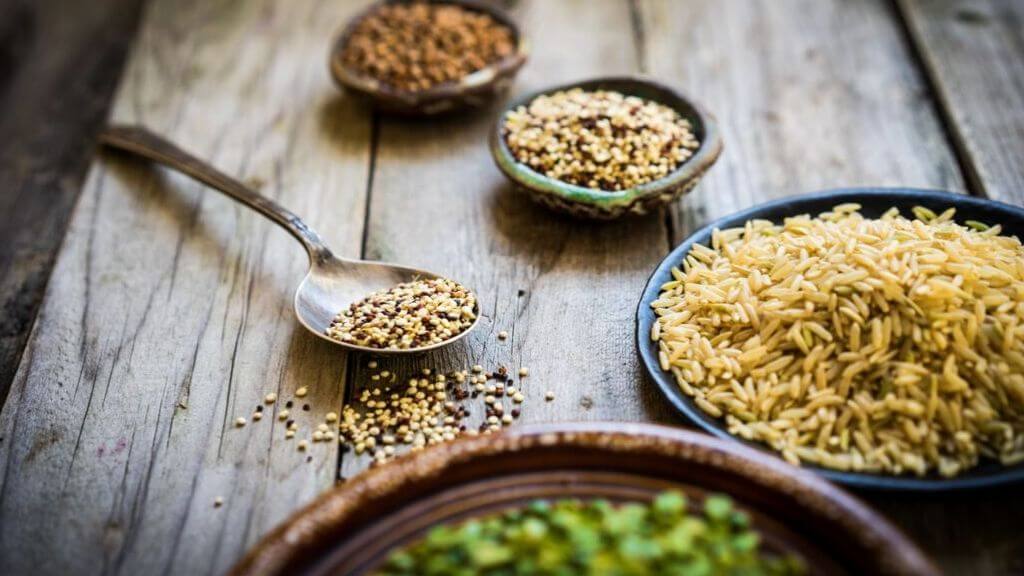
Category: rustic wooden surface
[972,49]
[551,282]
[810,94]
[52,101]
[168,311]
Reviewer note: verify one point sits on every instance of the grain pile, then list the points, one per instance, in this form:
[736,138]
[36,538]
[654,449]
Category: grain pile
[888,345]
[600,139]
[416,46]
[429,409]
[410,315]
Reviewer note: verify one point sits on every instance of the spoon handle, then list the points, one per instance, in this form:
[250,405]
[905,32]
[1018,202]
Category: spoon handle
[139,140]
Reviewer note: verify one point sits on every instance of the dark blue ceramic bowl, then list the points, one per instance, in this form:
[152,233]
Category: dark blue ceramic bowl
[874,202]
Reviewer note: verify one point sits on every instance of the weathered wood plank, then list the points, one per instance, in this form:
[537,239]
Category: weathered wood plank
[809,95]
[53,100]
[974,533]
[974,54]
[564,290]
[169,310]
[814,95]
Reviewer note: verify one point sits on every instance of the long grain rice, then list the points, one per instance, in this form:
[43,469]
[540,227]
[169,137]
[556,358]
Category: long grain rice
[888,345]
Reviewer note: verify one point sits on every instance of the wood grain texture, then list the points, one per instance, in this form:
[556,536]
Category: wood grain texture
[973,51]
[565,290]
[169,309]
[821,94]
[52,99]
[809,94]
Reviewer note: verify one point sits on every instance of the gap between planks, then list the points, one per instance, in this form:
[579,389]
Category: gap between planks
[915,47]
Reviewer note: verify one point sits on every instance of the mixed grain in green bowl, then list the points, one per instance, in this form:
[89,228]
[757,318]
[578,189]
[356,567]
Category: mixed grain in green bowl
[599,139]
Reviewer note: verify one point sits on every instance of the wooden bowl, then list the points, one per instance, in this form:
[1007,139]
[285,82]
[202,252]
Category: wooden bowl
[874,201]
[472,91]
[351,529]
[603,205]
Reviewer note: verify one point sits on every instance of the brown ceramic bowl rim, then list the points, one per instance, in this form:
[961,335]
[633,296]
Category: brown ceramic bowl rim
[479,80]
[305,536]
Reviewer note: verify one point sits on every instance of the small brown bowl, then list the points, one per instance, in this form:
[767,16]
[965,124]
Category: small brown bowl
[607,205]
[472,91]
[351,529]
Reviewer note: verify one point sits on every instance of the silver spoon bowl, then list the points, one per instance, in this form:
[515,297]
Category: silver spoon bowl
[331,285]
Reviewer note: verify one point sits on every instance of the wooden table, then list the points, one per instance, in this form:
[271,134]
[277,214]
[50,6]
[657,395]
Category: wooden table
[167,310]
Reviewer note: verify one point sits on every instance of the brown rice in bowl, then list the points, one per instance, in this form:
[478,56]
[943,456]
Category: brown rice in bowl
[872,345]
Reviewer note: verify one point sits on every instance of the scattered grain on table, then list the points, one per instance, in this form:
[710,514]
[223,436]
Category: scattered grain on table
[429,409]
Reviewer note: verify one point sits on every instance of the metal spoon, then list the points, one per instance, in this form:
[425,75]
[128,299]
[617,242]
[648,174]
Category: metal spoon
[331,284]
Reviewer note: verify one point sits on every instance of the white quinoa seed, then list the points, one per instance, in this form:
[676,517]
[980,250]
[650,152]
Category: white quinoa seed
[424,412]
[301,392]
[239,421]
[218,501]
[270,398]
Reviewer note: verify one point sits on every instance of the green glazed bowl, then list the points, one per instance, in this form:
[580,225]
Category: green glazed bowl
[599,204]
